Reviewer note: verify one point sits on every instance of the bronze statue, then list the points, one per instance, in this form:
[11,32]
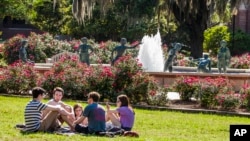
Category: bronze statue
[120,50]
[204,64]
[22,51]
[223,57]
[168,65]
[83,50]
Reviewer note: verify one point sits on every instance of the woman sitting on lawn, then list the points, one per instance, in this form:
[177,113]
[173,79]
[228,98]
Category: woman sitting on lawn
[122,117]
[78,112]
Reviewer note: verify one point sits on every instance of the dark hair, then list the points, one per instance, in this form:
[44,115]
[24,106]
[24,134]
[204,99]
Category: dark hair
[58,89]
[77,105]
[124,100]
[36,91]
[94,95]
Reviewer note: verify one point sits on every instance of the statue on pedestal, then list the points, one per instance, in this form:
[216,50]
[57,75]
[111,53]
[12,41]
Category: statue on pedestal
[83,51]
[224,57]
[168,65]
[22,50]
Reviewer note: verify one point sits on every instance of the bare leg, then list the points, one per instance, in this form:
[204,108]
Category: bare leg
[114,119]
[68,121]
[49,121]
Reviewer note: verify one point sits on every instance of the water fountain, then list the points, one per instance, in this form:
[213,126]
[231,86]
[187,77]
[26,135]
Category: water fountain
[151,54]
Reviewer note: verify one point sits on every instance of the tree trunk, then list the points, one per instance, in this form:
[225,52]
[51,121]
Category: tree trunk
[196,22]
[196,40]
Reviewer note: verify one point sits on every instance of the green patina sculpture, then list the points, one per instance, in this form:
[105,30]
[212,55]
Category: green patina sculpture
[83,51]
[204,64]
[224,57]
[120,50]
[168,65]
[22,50]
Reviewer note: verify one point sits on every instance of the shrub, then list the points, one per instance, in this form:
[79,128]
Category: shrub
[186,86]
[100,78]
[19,78]
[245,90]
[131,80]
[213,36]
[102,52]
[240,62]
[210,88]
[40,47]
[11,48]
[241,43]
[2,77]
[229,101]
[159,99]
[67,73]
[78,79]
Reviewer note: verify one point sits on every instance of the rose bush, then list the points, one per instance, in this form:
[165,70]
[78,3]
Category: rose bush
[245,91]
[186,86]
[18,78]
[78,79]
[229,101]
[131,80]
[67,73]
[210,88]
[40,47]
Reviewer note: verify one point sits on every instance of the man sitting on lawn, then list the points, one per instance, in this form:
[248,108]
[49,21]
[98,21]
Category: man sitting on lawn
[95,114]
[33,113]
[57,97]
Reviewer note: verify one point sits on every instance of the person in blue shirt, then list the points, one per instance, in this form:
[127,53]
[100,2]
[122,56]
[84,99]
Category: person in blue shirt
[95,114]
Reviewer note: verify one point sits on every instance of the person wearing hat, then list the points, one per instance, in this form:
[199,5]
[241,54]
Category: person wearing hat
[83,51]
[33,113]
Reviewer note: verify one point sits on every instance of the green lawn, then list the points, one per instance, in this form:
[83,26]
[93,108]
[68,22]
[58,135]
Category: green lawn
[151,125]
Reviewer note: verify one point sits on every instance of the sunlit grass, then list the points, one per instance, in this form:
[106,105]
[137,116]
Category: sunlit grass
[151,125]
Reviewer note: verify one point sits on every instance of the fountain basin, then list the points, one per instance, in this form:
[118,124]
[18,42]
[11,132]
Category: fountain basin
[237,77]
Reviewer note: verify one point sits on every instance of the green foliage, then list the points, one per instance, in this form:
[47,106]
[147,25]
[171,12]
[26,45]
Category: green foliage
[40,47]
[229,101]
[205,90]
[245,91]
[43,16]
[11,48]
[159,99]
[186,86]
[213,36]
[18,78]
[240,62]
[13,8]
[241,43]
[68,73]
[210,88]
[131,80]
[78,80]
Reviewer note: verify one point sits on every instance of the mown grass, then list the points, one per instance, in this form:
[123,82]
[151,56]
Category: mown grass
[151,125]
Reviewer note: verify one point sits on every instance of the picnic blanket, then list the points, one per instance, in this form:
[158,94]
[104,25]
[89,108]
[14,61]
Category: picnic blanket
[67,132]
[61,131]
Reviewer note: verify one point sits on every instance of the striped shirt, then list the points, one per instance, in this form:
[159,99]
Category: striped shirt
[33,115]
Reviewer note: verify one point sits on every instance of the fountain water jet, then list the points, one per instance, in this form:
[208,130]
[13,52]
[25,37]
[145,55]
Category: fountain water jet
[151,54]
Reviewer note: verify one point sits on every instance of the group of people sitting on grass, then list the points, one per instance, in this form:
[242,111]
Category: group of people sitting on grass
[93,119]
